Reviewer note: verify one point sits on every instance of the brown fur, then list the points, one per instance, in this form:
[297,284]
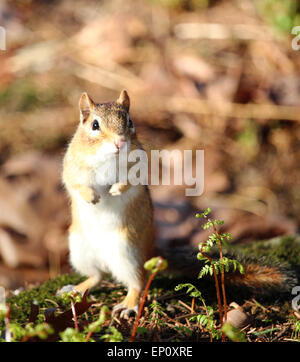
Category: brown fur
[258,276]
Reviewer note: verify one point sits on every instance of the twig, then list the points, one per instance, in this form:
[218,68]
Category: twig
[224,109]
[280,334]
[185,305]
[186,316]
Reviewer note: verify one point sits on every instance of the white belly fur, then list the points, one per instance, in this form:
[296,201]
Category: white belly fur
[100,247]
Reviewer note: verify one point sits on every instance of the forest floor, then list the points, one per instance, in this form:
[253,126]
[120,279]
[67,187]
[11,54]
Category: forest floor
[168,315]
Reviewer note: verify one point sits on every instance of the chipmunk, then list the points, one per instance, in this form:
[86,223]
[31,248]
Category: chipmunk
[112,222]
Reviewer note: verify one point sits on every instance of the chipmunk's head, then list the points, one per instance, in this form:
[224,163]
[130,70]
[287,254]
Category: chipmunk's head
[106,127]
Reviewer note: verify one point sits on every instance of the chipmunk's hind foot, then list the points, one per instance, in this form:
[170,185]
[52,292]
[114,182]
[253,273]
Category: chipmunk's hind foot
[124,311]
[129,306]
[81,288]
[69,288]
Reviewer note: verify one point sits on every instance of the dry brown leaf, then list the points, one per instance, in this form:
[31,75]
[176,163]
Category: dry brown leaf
[16,213]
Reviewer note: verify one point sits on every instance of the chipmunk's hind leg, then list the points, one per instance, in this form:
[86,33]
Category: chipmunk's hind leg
[134,280]
[80,259]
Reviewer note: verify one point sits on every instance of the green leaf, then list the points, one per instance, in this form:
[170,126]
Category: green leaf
[205,213]
[142,331]
[233,333]
[265,331]
[156,264]
[113,335]
[218,222]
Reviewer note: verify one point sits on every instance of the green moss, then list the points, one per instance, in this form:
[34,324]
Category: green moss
[44,295]
[286,248]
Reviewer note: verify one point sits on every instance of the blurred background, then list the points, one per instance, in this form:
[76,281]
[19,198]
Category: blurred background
[221,76]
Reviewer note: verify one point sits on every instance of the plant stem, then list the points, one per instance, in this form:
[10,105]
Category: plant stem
[74,315]
[222,271]
[192,306]
[89,335]
[206,311]
[216,284]
[152,276]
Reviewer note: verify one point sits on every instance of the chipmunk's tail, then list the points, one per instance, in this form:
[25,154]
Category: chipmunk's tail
[262,276]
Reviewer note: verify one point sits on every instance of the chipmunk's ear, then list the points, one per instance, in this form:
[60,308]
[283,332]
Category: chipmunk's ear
[85,106]
[124,99]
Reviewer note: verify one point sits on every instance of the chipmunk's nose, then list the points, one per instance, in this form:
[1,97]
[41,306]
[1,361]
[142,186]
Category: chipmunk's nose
[120,143]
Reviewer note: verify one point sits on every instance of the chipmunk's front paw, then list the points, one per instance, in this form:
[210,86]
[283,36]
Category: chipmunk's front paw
[89,195]
[124,311]
[114,191]
[118,188]
[96,199]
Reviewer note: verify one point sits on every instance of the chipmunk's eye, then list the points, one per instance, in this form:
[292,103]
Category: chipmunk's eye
[130,124]
[95,126]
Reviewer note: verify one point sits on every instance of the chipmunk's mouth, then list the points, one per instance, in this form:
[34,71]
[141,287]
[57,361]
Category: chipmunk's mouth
[117,151]
[120,143]
[122,147]
[109,150]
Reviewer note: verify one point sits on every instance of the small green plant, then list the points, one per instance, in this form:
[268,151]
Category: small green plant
[72,335]
[206,320]
[296,331]
[112,335]
[142,331]
[52,327]
[5,317]
[153,265]
[96,326]
[183,330]
[233,333]
[156,313]
[213,267]
[73,298]
[30,331]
